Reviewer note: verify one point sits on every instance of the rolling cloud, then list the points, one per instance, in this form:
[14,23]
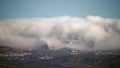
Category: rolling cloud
[90,33]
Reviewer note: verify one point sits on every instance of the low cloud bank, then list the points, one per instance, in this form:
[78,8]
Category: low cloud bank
[90,33]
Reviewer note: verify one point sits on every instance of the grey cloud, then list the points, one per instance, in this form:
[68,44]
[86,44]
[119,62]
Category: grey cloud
[90,33]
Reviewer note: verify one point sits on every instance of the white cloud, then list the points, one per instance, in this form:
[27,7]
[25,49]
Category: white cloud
[96,19]
[90,33]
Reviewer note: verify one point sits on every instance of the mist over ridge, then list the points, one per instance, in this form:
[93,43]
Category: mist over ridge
[90,33]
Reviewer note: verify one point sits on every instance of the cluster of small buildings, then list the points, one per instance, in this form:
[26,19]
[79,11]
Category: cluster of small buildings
[15,53]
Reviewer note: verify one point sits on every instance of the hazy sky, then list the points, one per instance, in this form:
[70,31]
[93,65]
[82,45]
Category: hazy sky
[53,8]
